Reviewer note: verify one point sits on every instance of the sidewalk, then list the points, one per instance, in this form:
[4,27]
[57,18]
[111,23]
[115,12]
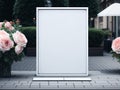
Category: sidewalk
[97,63]
[104,71]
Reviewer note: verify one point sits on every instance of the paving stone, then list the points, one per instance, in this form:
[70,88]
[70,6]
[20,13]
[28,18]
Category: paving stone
[79,86]
[118,84]
[34,83]
[113,81]
[34,86]
[85,84]
[70,84]
[111,86]
[10,83]
[101,84]
[98,86]
[2,83]
[23,83]
[99,81]
[66,86]
[77,83]
[53,83]
[44,84]
[63,82]
[49,86]
[19,84]
[23,86]
[8,86]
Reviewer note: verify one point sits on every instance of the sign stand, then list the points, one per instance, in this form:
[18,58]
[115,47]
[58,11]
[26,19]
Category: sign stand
[62,78]
[62,43]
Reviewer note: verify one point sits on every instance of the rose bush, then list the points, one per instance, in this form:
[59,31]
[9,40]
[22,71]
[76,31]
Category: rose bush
[12,43]
[116,48]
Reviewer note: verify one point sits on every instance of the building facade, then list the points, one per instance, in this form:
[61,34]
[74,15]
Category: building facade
[107,23]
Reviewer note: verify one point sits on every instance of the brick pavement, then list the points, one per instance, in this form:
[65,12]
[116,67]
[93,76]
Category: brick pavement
[98,63]
[104,71]
[23,80]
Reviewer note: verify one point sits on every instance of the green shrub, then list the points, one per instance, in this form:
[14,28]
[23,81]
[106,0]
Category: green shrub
[30,33]
[107,34]
[96,37]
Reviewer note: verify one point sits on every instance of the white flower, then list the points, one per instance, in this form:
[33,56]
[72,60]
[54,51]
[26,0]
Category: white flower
[18,49]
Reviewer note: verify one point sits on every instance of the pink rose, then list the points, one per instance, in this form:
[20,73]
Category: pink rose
[20,39]
[116,45]
[1,23]
[18,49]
[9,26]
[3,33]
[5,42]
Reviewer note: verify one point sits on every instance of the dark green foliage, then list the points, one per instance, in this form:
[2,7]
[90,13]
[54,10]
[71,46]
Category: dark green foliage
[92,4]
[107,34]
[115,55]
[66,3]
[10,56]
[6,9]
[30,33]
[1,10]
[58,3]
[25,10]
[96,37]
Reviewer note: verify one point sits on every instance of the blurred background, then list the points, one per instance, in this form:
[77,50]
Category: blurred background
[102,30]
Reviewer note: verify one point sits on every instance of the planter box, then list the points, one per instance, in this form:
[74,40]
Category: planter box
[5,69]
[95,51]
[30,51]
[107,45]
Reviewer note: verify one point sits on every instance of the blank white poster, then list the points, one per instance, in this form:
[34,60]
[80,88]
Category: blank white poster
[62,41]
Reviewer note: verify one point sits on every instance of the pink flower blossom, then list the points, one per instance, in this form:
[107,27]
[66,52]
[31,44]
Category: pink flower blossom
[20,39]
[116,45]
[5,42]
[9,26]
[18,49]
[3,33]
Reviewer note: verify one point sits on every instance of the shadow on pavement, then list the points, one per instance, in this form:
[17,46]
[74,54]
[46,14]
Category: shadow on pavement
[114,71]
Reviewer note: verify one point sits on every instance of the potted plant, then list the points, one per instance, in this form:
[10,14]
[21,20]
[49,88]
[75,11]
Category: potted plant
[96,38]
[12,43]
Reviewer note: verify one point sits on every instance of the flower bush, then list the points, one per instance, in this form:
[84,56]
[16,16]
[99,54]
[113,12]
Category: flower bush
[116,48]
[12,43]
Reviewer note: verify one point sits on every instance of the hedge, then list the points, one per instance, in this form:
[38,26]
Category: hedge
[96,37]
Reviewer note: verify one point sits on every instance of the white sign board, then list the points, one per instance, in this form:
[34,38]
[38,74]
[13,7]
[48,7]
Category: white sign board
[62,41]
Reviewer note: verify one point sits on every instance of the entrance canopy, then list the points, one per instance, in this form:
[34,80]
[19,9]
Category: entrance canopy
[112,10]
